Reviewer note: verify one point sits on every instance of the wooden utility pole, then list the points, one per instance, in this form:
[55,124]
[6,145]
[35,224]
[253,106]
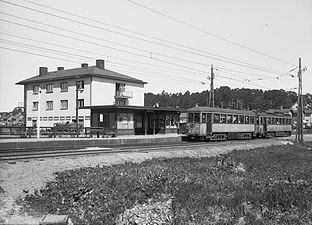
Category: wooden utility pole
[299,132]
[211,88]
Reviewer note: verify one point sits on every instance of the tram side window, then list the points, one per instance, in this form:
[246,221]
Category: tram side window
[216,118]
[252,120]
[261,120]
[191,117]
[223,118]
[196,118]
[273,121]
[235,119]
[241,119]
[269,120]
[204,120]
[247,119]
[277,121]
[229,119]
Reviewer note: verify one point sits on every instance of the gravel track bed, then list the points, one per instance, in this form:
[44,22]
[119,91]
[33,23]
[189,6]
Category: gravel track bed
[26,176]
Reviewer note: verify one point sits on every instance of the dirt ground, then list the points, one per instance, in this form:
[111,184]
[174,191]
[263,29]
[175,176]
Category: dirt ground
[23,177]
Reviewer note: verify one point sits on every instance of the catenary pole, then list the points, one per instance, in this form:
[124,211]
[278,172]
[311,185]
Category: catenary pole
[299,132]
[301,102]
[211,87]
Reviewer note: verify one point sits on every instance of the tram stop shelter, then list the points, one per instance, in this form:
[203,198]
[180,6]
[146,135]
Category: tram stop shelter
[135,120]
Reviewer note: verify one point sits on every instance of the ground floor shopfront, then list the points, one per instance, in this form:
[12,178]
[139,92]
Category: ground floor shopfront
[135,120]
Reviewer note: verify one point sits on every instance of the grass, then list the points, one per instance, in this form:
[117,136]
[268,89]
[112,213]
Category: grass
[261,186]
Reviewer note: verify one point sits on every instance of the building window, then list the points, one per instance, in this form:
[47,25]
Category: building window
[35,106]
[121,102]
[49,105]
[80,84]
[80,103]
[64,104]
[64,87]
[49,88]
[35,89]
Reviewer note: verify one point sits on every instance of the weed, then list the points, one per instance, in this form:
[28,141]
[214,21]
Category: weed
[261,186]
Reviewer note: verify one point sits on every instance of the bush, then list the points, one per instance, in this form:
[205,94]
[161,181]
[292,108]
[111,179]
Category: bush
[261,186]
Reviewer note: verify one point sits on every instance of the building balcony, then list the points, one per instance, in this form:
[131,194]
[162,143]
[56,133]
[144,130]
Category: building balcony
[123,94]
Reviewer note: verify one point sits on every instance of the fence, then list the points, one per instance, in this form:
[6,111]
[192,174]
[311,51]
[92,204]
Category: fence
[57,131]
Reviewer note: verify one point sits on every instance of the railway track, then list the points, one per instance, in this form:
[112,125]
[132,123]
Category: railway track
[66,151]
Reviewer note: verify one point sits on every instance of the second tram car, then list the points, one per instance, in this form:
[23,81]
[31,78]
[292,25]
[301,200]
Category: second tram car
[207,123]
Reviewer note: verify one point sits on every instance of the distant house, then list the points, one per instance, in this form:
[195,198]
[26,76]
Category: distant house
[307,121]
[104,98]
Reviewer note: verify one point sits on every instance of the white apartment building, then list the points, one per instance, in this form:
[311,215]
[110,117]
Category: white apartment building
[52,96]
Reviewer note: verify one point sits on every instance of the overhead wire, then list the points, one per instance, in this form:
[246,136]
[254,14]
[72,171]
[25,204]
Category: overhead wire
[97,54]
[210,33]
[97,44]
[121,28]
[250,80]
[158,74]
[237,71]
[30,53]
[75,61]
[243,81]
[54,51]
[176,58]
[225,59]
[167,76]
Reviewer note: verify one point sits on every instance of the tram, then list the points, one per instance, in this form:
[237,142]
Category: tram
[208,123]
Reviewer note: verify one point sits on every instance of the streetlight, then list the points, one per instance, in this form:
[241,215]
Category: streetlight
[38,120]
[78,86]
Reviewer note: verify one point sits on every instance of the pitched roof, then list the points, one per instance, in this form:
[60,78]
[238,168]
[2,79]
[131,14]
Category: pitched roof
[81,72]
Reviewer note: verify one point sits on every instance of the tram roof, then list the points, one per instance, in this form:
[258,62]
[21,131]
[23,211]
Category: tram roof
[274,114]
[220,110]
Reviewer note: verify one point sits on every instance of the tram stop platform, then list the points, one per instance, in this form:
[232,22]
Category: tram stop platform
[22,143]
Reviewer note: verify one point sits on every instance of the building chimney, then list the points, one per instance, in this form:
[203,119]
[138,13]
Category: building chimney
[84,65]
[100,64]
[43,71]
[60,68]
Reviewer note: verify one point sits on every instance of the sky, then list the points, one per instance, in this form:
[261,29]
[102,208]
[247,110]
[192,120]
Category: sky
[171,45]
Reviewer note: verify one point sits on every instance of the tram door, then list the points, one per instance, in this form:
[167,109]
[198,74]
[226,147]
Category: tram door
[209,124]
